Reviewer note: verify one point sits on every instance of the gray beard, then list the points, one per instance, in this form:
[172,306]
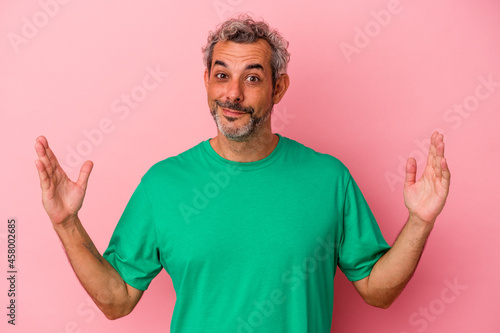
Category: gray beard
[244,132]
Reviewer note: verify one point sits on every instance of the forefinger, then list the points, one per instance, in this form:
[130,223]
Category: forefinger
[50,162]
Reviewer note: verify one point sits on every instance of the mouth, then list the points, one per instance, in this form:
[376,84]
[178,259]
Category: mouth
[231,110]
[232,113]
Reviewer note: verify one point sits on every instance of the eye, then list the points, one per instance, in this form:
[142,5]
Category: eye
[253,78]
[221,76]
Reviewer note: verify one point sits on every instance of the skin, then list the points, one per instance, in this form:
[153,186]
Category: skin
[62,199]
[241,74]
[425,200]
[240,79]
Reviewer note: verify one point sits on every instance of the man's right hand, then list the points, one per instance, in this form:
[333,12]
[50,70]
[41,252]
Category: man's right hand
[62,198]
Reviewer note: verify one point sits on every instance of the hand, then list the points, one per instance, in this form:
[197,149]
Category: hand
[62,198]
[426,197]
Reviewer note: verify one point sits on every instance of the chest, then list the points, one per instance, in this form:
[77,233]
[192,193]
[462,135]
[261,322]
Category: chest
[266,224]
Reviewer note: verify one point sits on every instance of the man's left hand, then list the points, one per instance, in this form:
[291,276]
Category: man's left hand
[426,197]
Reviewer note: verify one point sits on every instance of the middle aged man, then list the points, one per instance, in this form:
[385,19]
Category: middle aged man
[250,225]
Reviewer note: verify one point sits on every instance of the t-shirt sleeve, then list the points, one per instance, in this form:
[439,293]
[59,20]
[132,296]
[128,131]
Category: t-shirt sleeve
[362,243]
[133,250]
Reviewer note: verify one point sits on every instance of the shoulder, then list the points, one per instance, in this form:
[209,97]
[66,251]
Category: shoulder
[301,154]
[174,165]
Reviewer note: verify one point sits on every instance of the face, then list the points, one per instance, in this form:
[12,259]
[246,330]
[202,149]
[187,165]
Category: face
[239,88]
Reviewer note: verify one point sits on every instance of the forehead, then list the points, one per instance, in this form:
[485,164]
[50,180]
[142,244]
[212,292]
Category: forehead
[235,54]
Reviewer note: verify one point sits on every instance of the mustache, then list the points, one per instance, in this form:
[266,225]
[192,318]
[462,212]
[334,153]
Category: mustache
[235,107]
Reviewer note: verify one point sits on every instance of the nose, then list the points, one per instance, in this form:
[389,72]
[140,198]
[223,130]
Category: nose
[234,91]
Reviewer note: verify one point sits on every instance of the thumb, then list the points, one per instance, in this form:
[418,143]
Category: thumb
[411,172]
[83,178]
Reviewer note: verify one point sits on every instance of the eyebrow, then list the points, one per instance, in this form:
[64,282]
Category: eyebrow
[251,66]
[220,63]
[255,66]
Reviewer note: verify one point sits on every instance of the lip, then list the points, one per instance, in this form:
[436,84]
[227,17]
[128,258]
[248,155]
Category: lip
[232,113]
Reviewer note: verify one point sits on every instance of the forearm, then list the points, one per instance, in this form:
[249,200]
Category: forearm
[101,281]
[425,200]
[393,270]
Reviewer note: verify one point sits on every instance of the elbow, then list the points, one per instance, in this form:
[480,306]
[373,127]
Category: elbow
[116,303]
[381,298]
[112,308]
[113,316]
[381,302]
[383,306]
[114,313]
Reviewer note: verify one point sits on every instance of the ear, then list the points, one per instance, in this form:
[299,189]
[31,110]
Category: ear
[206,78]
[281,87]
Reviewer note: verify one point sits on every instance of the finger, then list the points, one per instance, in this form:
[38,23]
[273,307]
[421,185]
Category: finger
[440,145]
[50,155]
[43,158]
[445,180]
[42,174]
[411,172]
[52,158]
[42,140]
[83,177]
[438,159]
[432,149]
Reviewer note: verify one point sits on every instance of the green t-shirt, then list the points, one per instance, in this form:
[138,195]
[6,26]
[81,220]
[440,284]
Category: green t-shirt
[250,247]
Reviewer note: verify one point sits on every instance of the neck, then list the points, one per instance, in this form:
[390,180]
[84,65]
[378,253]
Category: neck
[253,149]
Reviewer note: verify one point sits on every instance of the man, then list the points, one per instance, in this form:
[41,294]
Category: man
[250,225]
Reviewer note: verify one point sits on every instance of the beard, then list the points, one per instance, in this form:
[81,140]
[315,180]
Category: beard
[230,130]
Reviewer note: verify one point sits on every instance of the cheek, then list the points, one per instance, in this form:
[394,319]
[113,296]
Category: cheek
[215,92]
[267,100]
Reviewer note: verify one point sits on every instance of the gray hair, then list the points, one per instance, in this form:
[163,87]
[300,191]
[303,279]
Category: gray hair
[244,29]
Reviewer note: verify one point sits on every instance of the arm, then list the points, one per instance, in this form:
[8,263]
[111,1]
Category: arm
[424,199]
[62,199]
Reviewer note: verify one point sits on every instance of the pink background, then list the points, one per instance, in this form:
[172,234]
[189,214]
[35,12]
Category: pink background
[371,107]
